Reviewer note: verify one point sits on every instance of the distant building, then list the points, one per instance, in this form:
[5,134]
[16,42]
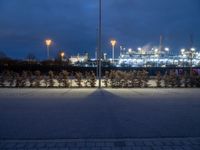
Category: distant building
[79,58]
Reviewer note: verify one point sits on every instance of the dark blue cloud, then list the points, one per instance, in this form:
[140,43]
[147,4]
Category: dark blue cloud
[72,24]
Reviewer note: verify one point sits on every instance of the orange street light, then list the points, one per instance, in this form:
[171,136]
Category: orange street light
[62,54]
[48,43]
[113,43]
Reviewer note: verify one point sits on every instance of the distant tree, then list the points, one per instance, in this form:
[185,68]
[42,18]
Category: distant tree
[31,57]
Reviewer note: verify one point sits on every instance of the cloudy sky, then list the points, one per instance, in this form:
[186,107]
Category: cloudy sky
[72,25]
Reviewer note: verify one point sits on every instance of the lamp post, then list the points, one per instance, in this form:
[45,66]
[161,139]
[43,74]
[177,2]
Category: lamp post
[62,54]
[113,43]
[48,43]
[99,43]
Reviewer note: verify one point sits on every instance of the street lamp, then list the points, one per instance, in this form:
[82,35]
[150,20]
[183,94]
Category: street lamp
[48,43]
[62,54]
[113,43]
[99,43]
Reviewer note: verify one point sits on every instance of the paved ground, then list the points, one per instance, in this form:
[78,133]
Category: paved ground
[45,114]
[104,144]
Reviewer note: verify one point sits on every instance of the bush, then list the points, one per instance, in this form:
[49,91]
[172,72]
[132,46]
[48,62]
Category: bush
[2,79]
[92,79]
[87,79]
[65,79]
[51,79]
[145,78]
[24,79]
[78,79]
[37,79]
[114,79]
[158,79]
[106,79]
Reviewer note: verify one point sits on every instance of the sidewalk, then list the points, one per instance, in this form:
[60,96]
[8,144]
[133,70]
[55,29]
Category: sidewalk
[103,144]
[92,119]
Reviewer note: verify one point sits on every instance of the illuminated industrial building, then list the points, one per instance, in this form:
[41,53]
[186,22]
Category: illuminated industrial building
[158,57]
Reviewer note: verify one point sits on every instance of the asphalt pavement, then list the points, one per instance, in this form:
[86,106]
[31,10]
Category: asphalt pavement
[42,114]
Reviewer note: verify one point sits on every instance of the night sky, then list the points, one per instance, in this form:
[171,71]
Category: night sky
[72,25]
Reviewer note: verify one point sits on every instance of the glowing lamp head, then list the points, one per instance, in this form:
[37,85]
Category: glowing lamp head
[167,49]
[62,54]
[48,42]
[113,42]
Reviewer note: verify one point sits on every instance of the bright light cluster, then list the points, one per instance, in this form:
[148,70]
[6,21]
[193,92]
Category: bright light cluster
[159,57]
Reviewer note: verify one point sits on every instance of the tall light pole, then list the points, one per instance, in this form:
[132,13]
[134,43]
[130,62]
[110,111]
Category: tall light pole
[113,43]
[48,43]
[99,43]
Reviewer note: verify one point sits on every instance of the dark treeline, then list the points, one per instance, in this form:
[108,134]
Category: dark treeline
[59,67]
